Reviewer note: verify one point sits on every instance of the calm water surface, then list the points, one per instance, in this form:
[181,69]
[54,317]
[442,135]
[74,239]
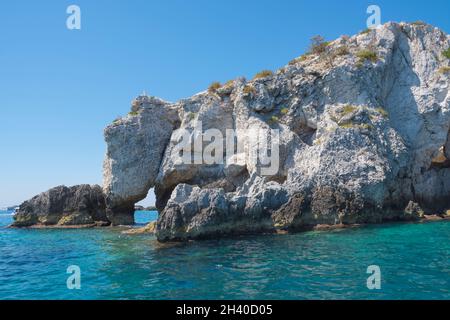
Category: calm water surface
[414,261]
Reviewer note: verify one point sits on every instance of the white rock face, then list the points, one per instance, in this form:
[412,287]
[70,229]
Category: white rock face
[135,149]
[359,128]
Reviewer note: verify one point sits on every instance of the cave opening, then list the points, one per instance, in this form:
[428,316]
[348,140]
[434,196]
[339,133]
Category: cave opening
[432,187]
[145,210]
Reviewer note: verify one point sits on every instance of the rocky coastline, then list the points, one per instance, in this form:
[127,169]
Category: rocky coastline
[64,207]
[362,124]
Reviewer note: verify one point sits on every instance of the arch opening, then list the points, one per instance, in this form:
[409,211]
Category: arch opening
[145,210]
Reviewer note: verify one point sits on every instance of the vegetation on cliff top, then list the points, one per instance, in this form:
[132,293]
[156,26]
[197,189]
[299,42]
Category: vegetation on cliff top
[263,74]
[366,31]
[318,45]
[213,87]
[419,23]
[367,55]
[249,90]
[299,59]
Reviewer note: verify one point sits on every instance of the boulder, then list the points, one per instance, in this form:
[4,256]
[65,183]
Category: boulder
[63,206]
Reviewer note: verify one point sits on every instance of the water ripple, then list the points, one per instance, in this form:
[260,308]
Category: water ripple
[414,259]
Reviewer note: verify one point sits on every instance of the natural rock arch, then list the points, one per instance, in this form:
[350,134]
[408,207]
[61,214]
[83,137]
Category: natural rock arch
[358,131]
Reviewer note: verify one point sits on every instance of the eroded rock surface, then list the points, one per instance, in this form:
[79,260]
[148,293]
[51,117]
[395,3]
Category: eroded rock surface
[62,206]
[363,131]
[136,145]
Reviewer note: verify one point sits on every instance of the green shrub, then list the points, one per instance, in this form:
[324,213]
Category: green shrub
[349,109]
[318,45]
[263,74]
[284,111]
[213,87]
[446,53]
[229,83]
[367,55]
[274,119]
[444,70]
[347,125]
[249,90]
[366,31]
[303,57]
[366,126]
[133,113]
[383,112]
[342,51]
[191,116]
[350,125]
[419,23]
[318,141]
[359,64]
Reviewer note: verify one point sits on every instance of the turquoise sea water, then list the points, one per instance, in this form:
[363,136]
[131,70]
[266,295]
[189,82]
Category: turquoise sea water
[414,262]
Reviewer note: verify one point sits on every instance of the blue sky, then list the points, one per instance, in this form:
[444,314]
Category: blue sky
[59,88]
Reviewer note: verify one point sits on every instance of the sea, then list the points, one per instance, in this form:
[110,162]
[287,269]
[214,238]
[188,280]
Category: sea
[391,261]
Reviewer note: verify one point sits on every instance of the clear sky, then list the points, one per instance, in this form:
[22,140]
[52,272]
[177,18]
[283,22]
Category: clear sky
[59,88]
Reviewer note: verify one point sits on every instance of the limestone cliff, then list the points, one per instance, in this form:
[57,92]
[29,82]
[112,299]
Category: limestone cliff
[136,145]
[363,128]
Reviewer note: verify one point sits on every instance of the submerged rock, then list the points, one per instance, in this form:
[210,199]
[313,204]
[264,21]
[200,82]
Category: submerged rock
[62,206]
[148,229]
